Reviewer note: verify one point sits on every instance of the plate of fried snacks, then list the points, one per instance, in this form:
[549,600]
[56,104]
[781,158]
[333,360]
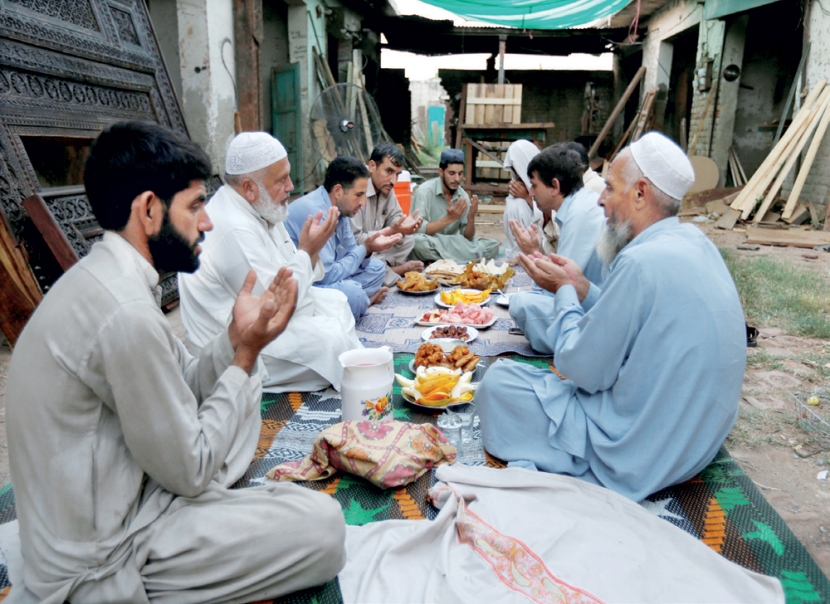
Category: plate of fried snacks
[450,297]
[484,275]
[416,283]
[452,354]
[465,333]
[444,270]
[460,314]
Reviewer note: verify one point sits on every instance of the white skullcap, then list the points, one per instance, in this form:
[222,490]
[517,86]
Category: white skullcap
[252,151]
[663,163]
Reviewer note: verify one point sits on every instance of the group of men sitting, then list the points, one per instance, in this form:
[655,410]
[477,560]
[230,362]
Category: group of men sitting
[124,442]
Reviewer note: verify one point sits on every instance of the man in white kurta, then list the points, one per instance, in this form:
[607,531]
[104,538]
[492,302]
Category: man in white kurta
[305,357]
[382,211]
[654,360]
[122,445]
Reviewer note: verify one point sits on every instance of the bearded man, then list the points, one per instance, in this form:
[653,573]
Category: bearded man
[121,445]
[382,212]
[350,267]
[248,215]
[449,227]
[654,360]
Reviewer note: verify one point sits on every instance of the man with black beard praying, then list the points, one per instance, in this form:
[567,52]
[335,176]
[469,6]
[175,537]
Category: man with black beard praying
[248,216]
[654,360]
[122,446]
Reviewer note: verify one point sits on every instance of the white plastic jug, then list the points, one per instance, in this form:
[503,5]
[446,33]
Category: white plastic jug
[366,389]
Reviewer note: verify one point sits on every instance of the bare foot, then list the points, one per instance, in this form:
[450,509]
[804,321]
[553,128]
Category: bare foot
[379,296]
[409,265]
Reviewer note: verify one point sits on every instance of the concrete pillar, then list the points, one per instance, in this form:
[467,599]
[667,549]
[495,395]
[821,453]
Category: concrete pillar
[817,187]
[208,94]
[709,54]
[727,101]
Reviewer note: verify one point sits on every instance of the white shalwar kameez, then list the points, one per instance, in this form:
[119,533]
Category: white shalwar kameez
[121,449]
[304,357]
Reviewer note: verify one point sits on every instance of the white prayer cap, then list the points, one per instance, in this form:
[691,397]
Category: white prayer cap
[664,164]
[252,151]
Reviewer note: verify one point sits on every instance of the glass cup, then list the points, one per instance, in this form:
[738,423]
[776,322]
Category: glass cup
[450,424]
[466,413]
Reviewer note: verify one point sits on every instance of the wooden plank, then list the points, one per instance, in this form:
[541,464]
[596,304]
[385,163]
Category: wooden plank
[496,101]
[645,112]
[517,111]
[509,91]
[484,208]
[527,126]
[479,109]
[52,234]
[728,220]
[20,293]
[702,124]
[470,116]
[800,215]
[490,110]
[786,237]
[807,164]
[807,128]
[616,112]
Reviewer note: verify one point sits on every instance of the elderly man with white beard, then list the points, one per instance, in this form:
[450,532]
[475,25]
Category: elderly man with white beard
[653,361]
[248,234]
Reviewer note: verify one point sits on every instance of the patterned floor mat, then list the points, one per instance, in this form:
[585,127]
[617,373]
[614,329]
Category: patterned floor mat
[721,506]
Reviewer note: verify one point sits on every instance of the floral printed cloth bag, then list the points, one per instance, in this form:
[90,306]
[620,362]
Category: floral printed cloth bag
[388,454]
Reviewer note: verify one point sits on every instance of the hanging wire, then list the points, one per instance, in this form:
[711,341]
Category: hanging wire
[233,81]
[635,24]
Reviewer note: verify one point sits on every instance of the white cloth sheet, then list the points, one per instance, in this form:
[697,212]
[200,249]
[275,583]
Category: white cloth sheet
[516,536]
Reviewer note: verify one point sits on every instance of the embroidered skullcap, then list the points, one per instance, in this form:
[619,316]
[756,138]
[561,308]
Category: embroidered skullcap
[252,151]
[664,164]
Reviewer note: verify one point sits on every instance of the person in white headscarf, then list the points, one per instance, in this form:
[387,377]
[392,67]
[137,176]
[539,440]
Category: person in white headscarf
[248,233]
[654,360]
[519,204]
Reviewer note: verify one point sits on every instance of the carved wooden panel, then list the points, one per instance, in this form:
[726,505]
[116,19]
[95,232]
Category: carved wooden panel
[68,68]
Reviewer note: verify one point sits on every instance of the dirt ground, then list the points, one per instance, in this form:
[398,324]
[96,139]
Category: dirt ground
[767,442]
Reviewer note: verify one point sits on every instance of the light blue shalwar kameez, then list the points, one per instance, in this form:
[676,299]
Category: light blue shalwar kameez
[655,362]
[347,267]
[580,221]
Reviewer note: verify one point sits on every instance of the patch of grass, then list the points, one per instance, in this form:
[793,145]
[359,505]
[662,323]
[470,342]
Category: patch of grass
[777,294]
[756,427]
[758,359]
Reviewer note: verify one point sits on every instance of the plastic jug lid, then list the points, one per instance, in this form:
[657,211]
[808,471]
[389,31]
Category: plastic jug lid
[404,176]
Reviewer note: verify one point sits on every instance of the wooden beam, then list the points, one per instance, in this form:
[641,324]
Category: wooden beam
[52,234]
[247,24]
[619,107]
[485,151]
[786,237]
[20,293]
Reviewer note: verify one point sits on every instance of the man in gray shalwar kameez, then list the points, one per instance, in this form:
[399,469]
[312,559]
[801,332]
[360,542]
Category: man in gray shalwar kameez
[122,446]
[382,212]
[449,227]
[654,361]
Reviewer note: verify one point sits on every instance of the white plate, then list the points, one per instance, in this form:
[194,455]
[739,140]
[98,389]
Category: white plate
[472,332]
[423,293]
[490,323]
[472,291]
[504,300]
[414,404]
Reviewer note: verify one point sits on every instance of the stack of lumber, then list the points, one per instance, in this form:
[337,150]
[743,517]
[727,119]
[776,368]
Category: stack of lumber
[809,124]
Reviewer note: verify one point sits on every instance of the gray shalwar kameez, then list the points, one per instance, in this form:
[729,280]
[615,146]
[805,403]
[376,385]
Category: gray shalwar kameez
[382,211]
[122,446]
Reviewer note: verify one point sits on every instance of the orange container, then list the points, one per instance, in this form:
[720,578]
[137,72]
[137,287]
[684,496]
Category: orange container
[403,195]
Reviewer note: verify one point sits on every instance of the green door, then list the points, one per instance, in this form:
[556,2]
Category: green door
[286,117]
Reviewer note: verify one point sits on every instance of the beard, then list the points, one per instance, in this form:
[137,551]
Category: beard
[614,237]
[171,251]
[270,212]
[450,186]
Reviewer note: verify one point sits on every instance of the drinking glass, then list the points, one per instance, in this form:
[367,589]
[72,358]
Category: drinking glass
[467,413]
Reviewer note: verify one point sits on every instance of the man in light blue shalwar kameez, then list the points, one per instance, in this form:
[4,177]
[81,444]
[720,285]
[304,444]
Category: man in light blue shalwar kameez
[654,360]
[349,266]
[556,176]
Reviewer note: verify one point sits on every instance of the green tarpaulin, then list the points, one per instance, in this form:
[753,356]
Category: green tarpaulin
[720,8]
[533,14]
